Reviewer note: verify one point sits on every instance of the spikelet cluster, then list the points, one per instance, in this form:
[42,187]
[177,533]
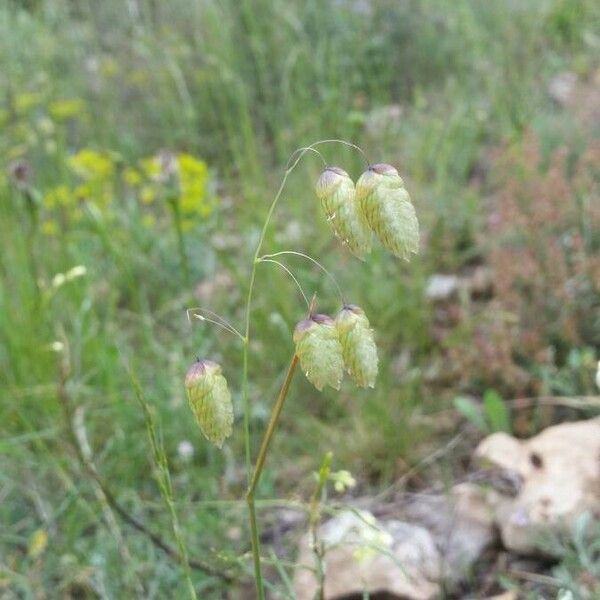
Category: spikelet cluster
[387,207]
[327,347]
[319,351]
[335,189]
[210,400]
[379,202]
[358,345]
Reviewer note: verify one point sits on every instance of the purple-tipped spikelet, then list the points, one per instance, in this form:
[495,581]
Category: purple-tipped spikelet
[358,345]
[210,400]
[319,351]
[337,194]
[387,207]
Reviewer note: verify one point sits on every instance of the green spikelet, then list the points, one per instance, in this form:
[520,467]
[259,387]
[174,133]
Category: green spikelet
[319,351]
[358,345]
[336,192]
[386,205]
[210,400]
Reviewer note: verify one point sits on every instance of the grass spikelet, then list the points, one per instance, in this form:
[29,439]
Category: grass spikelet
[387,207]
[337,194]
[210,400]
[358,345]
[319,351]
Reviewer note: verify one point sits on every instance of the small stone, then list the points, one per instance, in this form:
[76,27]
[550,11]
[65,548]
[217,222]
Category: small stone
[560,476]
[441,287]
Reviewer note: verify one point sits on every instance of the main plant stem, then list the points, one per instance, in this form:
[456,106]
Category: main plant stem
[254,476]
[260,461]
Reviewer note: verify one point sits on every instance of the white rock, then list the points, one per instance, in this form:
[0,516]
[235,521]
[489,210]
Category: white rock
[365,555]
[562,86]
[560,472]
[441,287]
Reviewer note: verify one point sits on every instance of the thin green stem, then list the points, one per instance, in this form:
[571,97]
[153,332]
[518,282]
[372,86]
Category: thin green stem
[315,262]
[255,261]
[294,278]
[163,477]
[260,462]
[185,267]
[217,320]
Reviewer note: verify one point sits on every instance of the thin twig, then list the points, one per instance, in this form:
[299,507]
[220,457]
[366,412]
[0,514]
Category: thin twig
[276,262]
[163,477]
[535,577]
[318,547]
[315,262]
[217,320]
[303,150]
[579,402]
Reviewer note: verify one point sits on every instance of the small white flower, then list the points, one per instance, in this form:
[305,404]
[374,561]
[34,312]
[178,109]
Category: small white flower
[57,346]
[342,480]
[58,280]
[75,272]
[185,450]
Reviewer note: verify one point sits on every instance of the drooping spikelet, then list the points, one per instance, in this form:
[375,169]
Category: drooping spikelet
[387,207]
[358,345]
[337,194]
[319,351]
[210,400]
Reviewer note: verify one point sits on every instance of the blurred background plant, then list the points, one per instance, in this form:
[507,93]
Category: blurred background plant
[142,143]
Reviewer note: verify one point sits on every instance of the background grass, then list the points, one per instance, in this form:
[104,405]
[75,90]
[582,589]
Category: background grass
[438,89]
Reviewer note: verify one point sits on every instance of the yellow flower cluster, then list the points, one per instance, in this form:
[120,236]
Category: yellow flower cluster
[181,179]
[95,174]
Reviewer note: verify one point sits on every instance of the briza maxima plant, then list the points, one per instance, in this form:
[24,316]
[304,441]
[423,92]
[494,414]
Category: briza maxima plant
[326,347]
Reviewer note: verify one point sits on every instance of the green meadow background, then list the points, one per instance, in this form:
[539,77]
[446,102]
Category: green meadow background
[490,112]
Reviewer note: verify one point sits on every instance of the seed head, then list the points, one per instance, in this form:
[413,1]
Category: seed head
[210,400]
[387,207]
[319,351]
[358,345]
[337,194]
[19,172]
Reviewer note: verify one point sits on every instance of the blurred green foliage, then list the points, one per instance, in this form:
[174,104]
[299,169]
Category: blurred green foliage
[92,95]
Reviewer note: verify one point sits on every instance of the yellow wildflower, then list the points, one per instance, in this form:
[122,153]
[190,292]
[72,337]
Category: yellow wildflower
[193,180]
[151,167]
[37,543]
[138,77]
[132,177]
[50,228]
[147,195]
[66,109]
[89,164]
[26,101]
[109,67]
[96,171]
[149,221]
[61,195]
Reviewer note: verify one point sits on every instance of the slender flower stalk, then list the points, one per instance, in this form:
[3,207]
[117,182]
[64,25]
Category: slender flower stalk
[260,462]
[178,226]
[295,158]
[324,347]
